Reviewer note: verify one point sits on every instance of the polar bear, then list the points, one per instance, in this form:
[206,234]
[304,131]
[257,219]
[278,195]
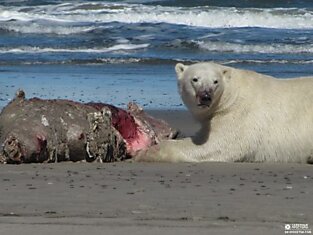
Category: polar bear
[245,117]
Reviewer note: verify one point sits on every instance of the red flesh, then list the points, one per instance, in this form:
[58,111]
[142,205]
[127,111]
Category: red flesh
[126,125]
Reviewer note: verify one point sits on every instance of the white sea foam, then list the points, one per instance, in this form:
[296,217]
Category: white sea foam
[207,46]
[36,50]
[215,17]
[254,48]
[271,61]
[34,27]
[211,17]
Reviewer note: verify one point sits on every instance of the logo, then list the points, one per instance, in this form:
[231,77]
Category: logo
[297,229]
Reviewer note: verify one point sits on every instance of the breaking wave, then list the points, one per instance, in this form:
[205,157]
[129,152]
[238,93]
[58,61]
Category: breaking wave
[33,50]
[70,18]
[255,48]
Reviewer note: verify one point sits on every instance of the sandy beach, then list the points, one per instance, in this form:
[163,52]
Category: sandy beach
[138,198]
[155,198]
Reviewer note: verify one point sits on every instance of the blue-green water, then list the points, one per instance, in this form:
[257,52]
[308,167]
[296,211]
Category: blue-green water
[118,51]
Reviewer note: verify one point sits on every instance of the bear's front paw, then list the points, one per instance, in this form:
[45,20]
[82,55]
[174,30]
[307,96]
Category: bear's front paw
[148,155]
[166,151]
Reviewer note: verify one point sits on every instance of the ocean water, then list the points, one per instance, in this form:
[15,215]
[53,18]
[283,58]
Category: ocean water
[120,51]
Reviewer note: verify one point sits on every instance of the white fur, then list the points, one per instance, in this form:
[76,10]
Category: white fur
[252,118]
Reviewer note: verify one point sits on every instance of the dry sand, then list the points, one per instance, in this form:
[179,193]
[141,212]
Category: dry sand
[155,198]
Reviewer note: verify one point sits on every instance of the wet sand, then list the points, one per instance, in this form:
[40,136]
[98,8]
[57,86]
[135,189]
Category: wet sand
[155,198]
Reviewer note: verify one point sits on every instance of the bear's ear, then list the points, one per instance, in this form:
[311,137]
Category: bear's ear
[180,68]
[226,73]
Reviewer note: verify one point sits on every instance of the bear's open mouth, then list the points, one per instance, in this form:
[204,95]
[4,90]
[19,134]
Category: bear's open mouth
[203,105]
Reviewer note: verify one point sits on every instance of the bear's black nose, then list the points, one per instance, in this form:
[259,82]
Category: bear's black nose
[205,98]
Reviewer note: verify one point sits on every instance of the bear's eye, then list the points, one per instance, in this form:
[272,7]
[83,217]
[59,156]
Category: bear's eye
[195,79]
[215,82]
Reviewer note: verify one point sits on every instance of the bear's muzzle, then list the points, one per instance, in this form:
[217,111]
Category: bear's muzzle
[205,98]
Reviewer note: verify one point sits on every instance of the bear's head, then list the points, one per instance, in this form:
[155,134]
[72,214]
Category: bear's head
[201,86]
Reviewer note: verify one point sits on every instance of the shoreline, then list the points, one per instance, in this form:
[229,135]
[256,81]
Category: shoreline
[151,87]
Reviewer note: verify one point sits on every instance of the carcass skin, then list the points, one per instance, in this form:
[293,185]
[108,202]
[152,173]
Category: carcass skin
[36,130]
